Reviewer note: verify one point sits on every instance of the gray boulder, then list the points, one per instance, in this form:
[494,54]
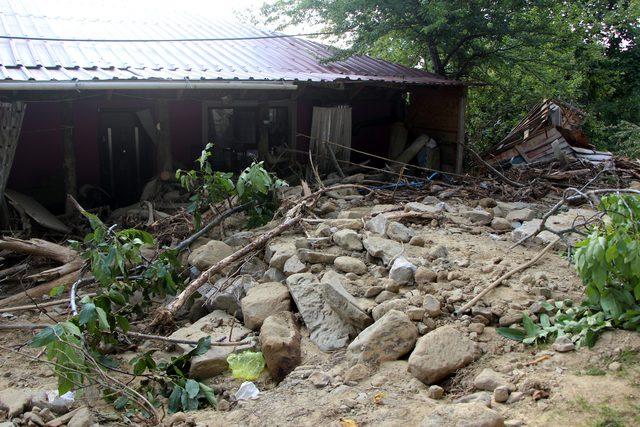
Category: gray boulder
[280,344]
[389,338]
[349,264]
[348,240]
[399,232]
[440,353]
[206,255]
[385,249]
[402,271]
[326,327]
[342,302]
[262,301]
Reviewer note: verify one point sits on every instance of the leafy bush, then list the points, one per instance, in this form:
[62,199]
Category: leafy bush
[608,262]
[255,185]
[582,324]
[76,345]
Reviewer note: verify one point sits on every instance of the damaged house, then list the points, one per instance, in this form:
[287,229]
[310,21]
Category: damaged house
[98,106]
[551,131]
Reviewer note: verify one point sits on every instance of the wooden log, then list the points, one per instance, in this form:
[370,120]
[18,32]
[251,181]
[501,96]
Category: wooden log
[39,247]
[40,290]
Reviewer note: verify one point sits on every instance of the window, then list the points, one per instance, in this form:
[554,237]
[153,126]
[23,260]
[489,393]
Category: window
[241,132]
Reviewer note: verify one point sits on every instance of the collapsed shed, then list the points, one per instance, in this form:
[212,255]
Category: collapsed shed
[551,131]
[109,101]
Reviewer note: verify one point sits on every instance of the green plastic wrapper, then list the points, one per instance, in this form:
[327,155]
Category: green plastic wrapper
[247,365]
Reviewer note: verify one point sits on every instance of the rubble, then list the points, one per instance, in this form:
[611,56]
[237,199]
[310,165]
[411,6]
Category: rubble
[359,276]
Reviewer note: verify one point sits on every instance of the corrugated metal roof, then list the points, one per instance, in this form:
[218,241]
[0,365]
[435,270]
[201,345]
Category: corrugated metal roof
[291,59]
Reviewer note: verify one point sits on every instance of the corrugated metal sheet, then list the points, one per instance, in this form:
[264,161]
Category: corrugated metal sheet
[291,59]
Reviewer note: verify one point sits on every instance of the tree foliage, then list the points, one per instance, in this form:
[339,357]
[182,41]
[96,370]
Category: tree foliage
[518,51]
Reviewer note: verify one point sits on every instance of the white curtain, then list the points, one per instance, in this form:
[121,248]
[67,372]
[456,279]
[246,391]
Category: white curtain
[330,129]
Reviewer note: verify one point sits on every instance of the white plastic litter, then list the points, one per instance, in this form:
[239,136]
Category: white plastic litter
[53,398]
[247,391]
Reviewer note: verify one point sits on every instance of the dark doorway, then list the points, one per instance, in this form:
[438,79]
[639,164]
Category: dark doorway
[127,156]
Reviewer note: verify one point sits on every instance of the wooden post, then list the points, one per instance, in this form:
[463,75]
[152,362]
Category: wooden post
[164,156]
[462,106]
[68,153]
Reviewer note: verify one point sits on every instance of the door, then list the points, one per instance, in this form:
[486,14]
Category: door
[127,158]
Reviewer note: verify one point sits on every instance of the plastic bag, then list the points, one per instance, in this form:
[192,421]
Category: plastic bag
[247,365]
[247,391]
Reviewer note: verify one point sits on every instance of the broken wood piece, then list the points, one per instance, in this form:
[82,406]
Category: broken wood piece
[40,305]
[36,326]
[40,290]
[504,277]
[217,220]
[39,247]
[8,272]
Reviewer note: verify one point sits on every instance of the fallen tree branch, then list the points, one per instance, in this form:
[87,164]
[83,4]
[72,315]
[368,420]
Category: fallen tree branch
[492,169]
[36,326]
[39,247]
[40,290]
[42,305]
[217,220]
[504,277]
[8,272]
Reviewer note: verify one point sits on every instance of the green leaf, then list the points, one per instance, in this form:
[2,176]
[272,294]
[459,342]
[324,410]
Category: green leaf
[87,314]
[208,394]
[45,336]
[530,327]
[102,319]
[57,291]
[192,388]
[139,366]
[120,403]
[123,323]
[512,333]
[175,399]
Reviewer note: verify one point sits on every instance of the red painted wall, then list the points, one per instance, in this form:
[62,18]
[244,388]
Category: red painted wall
[37,167]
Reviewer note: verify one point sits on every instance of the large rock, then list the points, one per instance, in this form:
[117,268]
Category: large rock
[402,271]
[440,353]
[225,295]
[216,325]
[385,249]
[262,301]
[14,401]
[383,308]
[316,257]
[521,215]
[377,224]
[479,216]
[529,227]
[347,239]
[326,327]
[421,207]
[399,232]
[82,418]
[390,338]
[463,415]
[206,255]
[278,252]
[489,380]
[280,344]
[348,264]
[294,266]
[342,302]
